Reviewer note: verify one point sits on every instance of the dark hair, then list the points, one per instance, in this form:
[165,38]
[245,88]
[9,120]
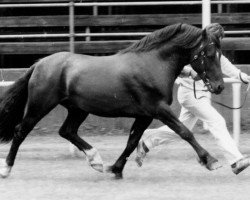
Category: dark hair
[215,29]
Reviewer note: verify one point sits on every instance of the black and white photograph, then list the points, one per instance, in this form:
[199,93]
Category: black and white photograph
[124,100]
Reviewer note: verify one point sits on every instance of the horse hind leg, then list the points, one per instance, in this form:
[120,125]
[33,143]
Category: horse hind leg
[21,131]
[34,113]
[69,131]
[36,108]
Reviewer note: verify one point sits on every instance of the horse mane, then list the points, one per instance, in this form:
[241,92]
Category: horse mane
[183,35]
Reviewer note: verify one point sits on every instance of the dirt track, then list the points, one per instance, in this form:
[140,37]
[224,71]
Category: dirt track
[44,170]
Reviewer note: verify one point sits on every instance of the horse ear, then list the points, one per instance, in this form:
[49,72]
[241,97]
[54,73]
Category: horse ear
[204,34]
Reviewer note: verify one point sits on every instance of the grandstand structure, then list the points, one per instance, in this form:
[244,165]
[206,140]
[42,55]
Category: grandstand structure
[31,29]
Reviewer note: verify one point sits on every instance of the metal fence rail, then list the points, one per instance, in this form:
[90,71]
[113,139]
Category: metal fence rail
[154,3]
[71,6]
[128,34]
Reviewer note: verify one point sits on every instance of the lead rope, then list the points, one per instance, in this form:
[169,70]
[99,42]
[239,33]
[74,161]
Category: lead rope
[221,104]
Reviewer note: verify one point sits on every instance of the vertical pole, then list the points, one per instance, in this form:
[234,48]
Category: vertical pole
[110,10]
[71,26]
[219,7]
[236,112]
[206,13]
[72,149]
[206,20]
[95,10]
[87,30]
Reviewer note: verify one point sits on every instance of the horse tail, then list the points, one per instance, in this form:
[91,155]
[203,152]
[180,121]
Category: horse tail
[12,106]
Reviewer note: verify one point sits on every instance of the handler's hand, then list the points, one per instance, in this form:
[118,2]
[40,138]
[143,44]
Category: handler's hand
[194,75]
[244,78]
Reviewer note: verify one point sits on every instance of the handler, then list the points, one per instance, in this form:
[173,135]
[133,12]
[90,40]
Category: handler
[193,109]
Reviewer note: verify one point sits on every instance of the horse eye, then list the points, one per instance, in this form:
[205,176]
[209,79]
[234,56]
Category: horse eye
[211,52]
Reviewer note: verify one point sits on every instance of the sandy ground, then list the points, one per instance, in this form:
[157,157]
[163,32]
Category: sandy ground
[45,170]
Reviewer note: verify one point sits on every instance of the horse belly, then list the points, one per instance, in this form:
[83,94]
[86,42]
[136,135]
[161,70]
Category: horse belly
[104,98]
[107,106]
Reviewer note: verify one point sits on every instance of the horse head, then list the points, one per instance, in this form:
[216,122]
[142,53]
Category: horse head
[205,60]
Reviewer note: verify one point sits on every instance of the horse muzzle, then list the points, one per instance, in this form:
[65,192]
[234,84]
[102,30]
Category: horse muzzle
[216,89]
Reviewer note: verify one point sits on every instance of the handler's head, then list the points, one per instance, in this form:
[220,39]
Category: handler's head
[215,29]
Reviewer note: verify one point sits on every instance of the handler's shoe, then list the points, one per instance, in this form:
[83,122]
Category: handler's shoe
[240,165]
[142,150]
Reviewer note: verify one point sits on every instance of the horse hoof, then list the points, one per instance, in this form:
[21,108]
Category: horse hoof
[4,174]
[110,169]
[214,166]
[118,176]
[4,169]
[139,161]
[94,159]
[211,165]
[97,167]
[107,169]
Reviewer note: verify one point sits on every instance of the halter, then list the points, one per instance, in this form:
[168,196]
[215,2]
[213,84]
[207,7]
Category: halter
[200,57]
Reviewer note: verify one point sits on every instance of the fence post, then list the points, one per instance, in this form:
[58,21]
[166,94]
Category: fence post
[236,112]
[72,26]
[206,20]
[206,13]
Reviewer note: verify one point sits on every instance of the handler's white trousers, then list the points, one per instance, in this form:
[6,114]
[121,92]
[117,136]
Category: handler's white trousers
[193,109]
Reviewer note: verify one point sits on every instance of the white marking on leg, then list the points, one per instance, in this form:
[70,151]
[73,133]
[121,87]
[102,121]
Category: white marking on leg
[94,159]
[4,169]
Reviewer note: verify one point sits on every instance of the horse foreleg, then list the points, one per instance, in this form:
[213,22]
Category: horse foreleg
[69,131]
[139,126]
[168,117]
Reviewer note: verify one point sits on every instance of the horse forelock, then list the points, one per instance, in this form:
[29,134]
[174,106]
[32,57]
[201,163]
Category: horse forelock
[182,35]
[216,40]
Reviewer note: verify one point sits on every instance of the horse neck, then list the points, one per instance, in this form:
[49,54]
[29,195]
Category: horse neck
[170,59]
[143,58]
[175,57]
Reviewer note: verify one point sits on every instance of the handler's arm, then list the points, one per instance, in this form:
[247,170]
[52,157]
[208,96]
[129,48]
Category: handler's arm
[231,71]
[189,72]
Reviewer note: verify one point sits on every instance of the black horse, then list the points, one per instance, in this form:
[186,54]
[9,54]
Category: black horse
[136,82]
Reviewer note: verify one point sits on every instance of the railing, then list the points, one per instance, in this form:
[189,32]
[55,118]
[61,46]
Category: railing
[206,20]
[72,5]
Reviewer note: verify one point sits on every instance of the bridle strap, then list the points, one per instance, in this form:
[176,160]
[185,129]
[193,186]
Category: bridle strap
[221,104]
[201,52]
[201,57]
